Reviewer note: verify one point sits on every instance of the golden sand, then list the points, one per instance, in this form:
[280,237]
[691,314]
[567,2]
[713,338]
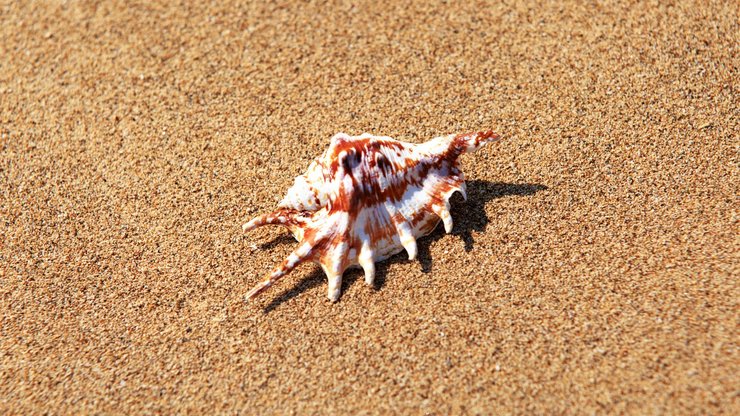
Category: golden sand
[594,268]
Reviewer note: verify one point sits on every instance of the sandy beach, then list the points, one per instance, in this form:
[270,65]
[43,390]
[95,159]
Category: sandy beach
[592,270]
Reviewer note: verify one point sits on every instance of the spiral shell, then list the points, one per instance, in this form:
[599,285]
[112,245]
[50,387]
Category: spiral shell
[367,198]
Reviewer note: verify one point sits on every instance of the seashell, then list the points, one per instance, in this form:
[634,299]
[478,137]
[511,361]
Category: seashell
[367,198]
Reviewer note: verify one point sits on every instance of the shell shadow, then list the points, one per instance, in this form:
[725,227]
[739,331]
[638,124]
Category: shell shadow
[277,241]
[470,215]
[467,216]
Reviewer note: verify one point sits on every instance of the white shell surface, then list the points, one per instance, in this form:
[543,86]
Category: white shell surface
[367,198]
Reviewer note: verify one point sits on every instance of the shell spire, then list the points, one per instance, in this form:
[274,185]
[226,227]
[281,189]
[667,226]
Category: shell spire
[367,198]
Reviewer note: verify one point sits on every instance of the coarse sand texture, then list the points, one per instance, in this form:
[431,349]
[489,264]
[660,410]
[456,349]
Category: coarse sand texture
[593,268]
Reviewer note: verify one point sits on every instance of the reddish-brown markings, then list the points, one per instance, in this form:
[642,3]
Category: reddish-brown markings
[364,161]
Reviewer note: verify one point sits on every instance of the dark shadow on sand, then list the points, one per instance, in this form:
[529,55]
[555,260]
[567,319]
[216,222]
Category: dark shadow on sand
[467,216]
[277,241]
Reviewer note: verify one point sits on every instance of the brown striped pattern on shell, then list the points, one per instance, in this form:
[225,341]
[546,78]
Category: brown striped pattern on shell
[367,198]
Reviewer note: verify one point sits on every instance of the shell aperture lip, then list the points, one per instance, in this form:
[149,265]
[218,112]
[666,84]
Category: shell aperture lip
[367,198]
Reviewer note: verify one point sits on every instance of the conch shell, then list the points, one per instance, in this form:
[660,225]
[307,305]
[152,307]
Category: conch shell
[367,198]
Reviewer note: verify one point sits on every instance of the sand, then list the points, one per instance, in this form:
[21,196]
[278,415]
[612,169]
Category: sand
[593,269]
